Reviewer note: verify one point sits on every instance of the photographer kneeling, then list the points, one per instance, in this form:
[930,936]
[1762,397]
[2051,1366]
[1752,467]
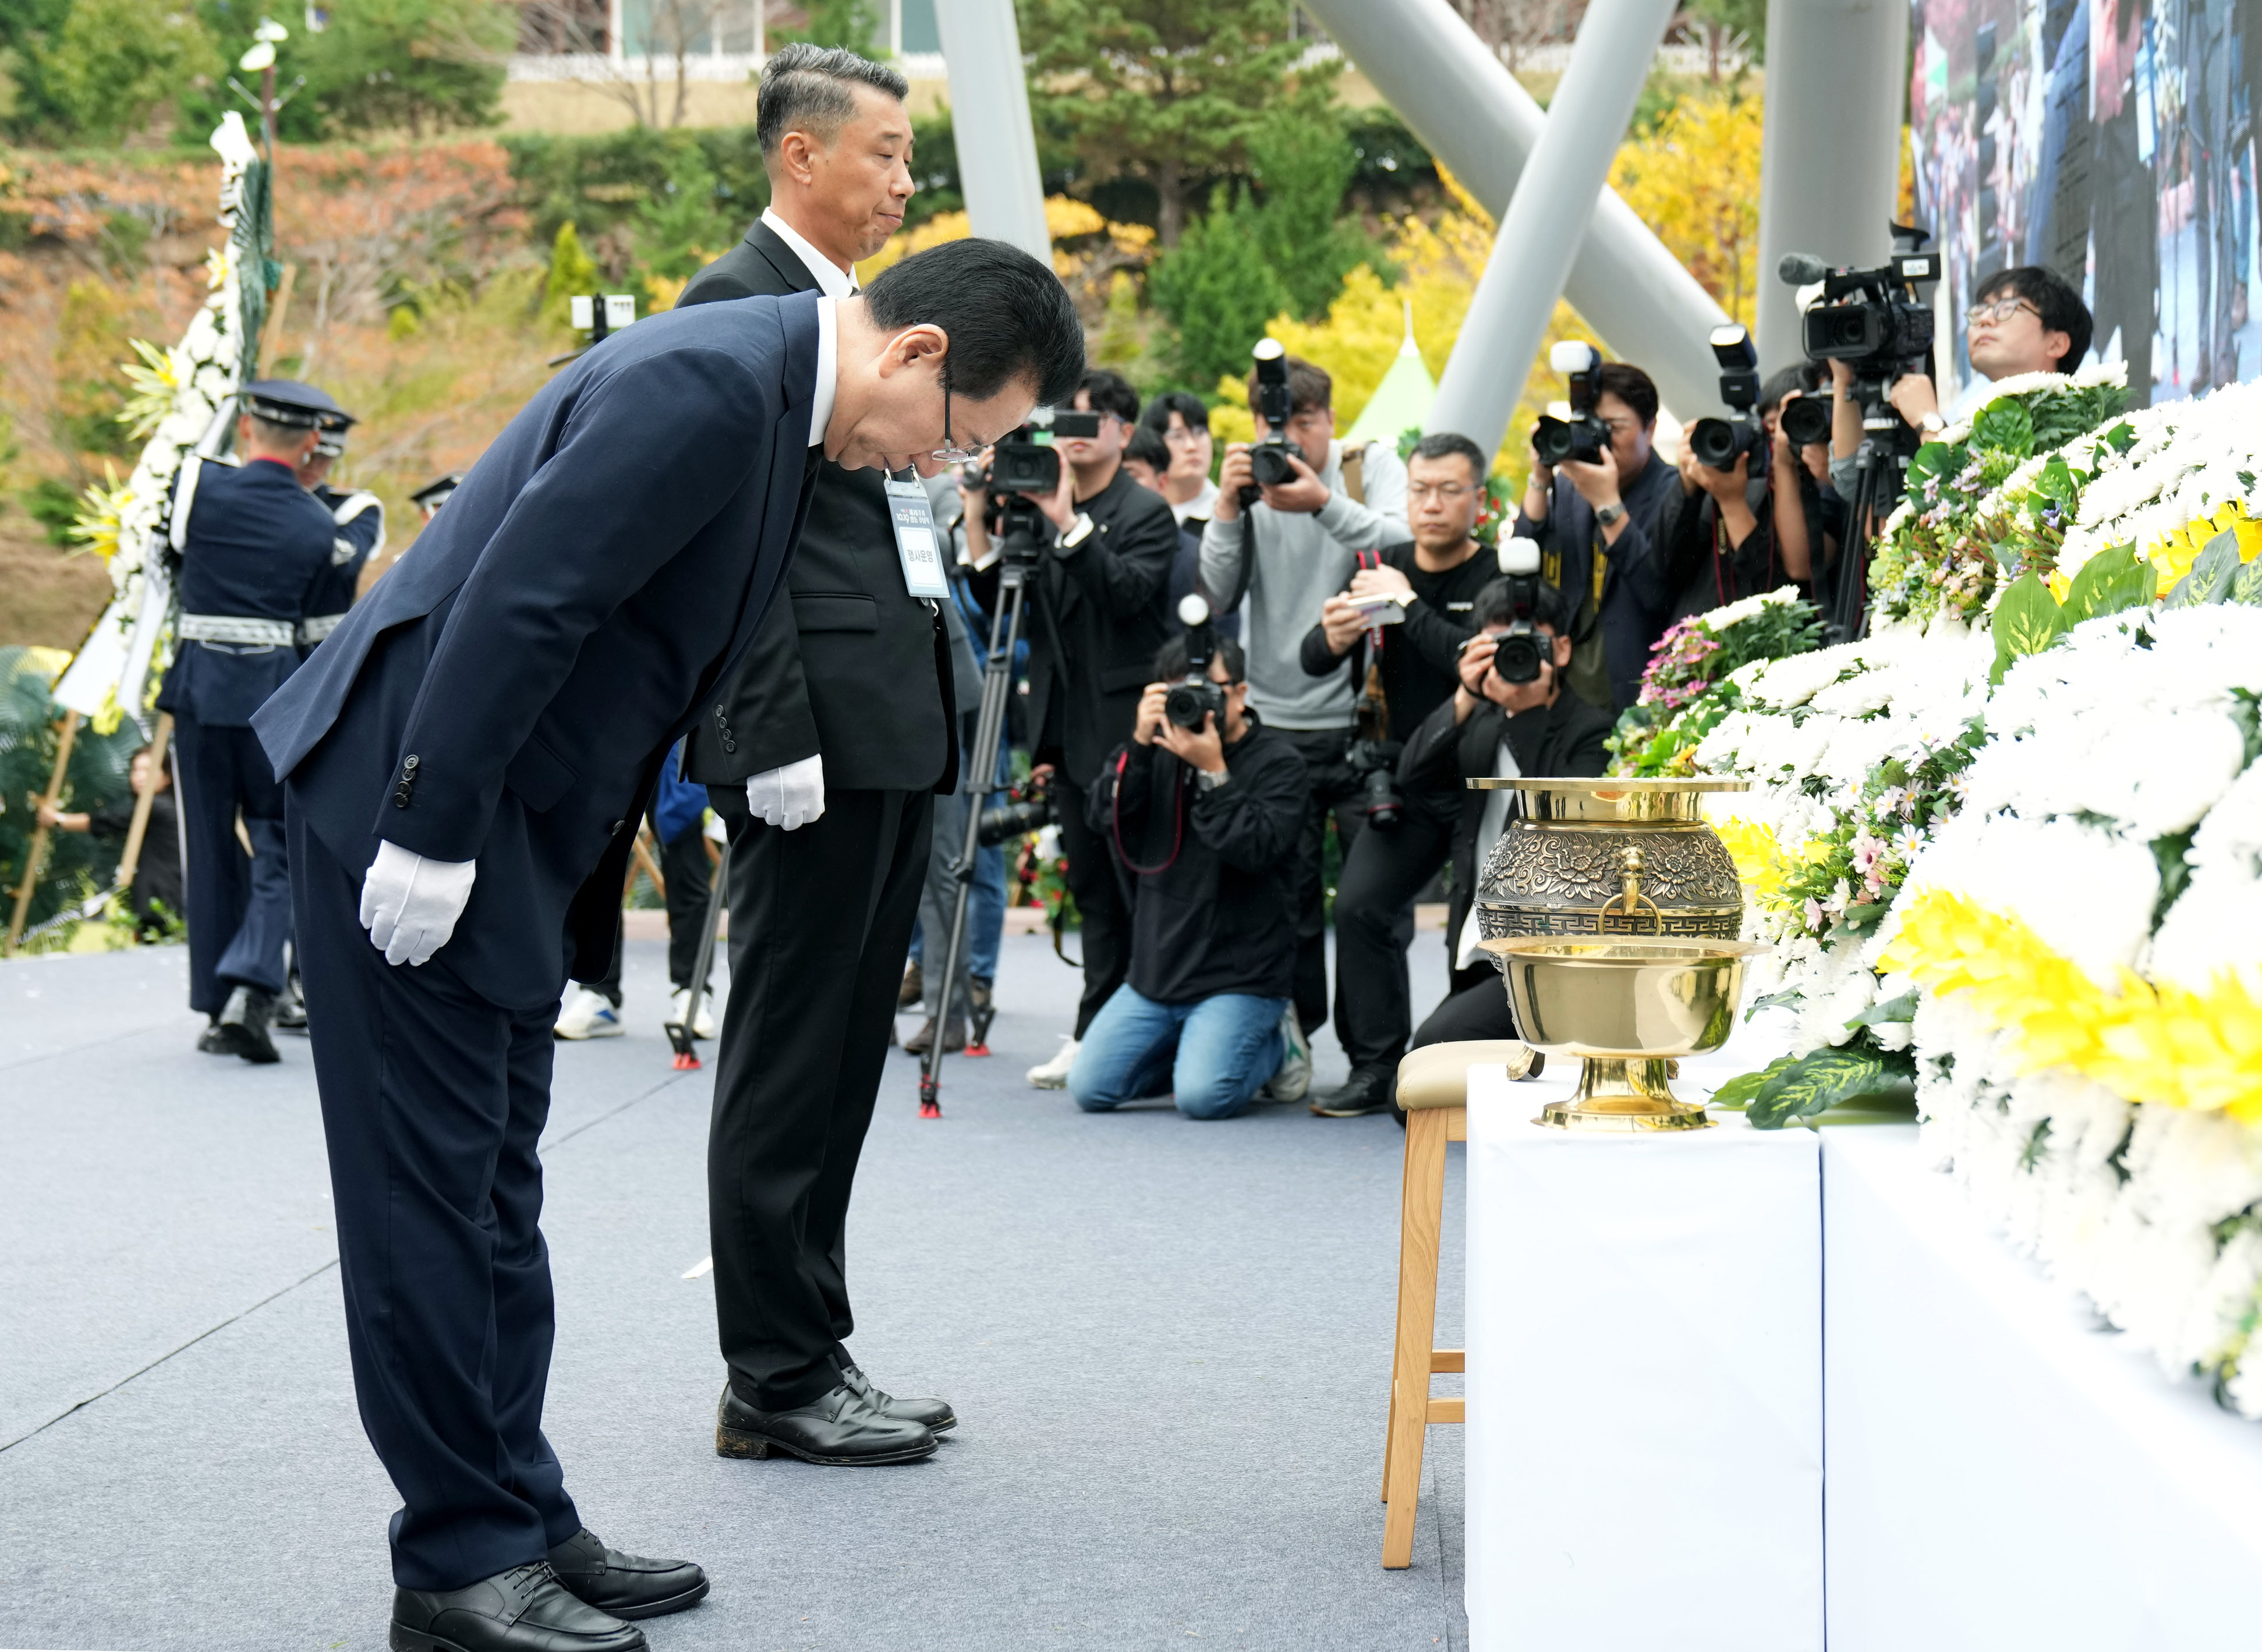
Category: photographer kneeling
[1509,717]
[1203,808]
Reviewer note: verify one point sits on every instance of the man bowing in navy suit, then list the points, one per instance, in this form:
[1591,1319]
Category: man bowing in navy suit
[465,761]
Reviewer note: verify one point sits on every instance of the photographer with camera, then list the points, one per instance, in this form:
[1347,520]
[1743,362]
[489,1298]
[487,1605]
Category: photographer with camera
[1398,630]
[1760,512]
[1509,716]
[1601,504]
[1098,615]
[1202,807]
[1293,512]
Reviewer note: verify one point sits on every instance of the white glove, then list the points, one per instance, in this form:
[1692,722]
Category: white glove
[790,796]
[409,904]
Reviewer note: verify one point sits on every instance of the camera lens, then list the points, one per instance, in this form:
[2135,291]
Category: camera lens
[1384,810]
[1516,656]
[1806,421]
[1187,704]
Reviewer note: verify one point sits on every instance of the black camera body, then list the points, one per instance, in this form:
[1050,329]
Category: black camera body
[1582,436]
[1032,810]
[1269,456]
[1519,651]
[1879,321]
[1020,464]
[1719,444]
[1805,421]
[1194,696]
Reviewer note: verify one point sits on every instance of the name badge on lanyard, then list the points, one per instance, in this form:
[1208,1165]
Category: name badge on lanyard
[915,539]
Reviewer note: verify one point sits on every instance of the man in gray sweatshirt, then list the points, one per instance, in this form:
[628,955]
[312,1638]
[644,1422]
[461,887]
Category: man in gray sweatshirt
[1308,535]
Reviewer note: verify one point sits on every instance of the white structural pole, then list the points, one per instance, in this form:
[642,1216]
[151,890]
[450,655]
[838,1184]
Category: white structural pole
[1457,97]
[990,116]
[1830,161]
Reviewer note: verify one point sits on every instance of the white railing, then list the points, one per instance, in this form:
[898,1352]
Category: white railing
[708,66]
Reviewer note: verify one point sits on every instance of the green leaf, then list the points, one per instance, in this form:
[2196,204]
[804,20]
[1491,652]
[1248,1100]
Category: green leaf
[1790,996]
[2005,425]
[2247,586]
[2027,621]
[2121,437]
[1934,459]
[1825,1079]
[2213,571]
[2112,579]
[1738,1092]
[1888,1012]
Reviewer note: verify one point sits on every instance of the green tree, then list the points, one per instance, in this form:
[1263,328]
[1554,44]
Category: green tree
[26,27]
[1218,290]
[425,65]
[114,62]
[683,228]
[572,270]
[853,24]
[1303,162]
[1165,90]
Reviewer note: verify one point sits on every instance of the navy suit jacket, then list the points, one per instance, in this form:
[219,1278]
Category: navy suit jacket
[256,547]
[508,691]
[353,542]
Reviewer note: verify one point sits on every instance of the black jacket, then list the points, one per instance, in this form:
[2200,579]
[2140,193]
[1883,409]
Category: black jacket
[1564,739]
[1098,617]
[1706,572]
[1421,656]
[1213,872]
[1637,593]
[854,667]
[508,691]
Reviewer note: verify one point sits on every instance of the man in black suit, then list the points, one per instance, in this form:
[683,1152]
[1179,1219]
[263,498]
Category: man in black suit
[823,757]
[465,758]
[1099,613]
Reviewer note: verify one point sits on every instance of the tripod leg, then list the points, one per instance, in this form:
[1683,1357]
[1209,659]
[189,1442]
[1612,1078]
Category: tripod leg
[683,1037]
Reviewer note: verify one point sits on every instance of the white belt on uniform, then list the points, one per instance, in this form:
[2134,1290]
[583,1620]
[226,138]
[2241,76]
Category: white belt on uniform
[314,627]
[239,629]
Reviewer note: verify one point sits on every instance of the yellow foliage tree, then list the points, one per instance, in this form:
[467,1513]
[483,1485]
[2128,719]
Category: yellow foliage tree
[1695,181]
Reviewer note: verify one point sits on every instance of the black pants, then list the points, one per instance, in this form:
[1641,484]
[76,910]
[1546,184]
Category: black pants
[1337,790]
[683,863]
[239,908]
[433,1099]
[1477,1007]
[820,920]
[1375,926]
[1104,938]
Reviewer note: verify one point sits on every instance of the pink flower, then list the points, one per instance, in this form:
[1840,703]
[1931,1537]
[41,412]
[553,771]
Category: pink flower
[1817,919]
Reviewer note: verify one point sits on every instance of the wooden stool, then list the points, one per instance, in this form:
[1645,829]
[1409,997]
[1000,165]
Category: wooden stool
[1433,1089]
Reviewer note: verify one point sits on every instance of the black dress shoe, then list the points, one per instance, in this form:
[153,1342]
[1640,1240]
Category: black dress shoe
[934,1416]
[953,1038]
[242,1029]
[522,1610]
[838,1430]
[625,1585]
[1368,1090]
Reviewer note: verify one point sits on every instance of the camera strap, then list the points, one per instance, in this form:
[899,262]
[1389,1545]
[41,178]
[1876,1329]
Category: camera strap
[915,547]
[1177,818]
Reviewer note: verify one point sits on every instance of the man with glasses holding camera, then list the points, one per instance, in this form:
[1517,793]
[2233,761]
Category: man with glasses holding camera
[1098,611]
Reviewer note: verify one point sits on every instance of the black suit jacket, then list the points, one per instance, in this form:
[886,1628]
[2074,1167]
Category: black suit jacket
[1565,740]
[1099,613]
[508,691]
[854,667]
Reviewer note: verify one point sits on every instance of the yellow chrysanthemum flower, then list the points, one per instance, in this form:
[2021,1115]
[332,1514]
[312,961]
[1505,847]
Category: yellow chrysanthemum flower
[156,380]
[102,513]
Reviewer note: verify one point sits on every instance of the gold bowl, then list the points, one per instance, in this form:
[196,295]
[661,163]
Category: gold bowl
[1628,1008]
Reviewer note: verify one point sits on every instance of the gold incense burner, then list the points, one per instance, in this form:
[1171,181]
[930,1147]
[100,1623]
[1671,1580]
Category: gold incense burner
[1628,1009]
[1611,857]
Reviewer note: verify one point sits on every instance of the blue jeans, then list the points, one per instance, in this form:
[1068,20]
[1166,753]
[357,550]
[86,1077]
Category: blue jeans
[1213,1054]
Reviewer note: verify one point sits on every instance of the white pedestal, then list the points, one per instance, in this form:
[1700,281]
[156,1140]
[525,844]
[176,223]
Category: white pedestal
[1645,1385]
[2003,1473]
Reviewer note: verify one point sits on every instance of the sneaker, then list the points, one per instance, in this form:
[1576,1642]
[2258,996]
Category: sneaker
[291,1007]
[1294,1081]
[680,1000]
[1052,1075]
[589,1014]
[913,989]
[953,1038]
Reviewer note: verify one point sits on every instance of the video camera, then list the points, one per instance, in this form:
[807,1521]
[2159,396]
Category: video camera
[1194,696]
[1269,456]
[1021,464]
[1582,436]
[1718,443]
[1520,651]
[1879,321]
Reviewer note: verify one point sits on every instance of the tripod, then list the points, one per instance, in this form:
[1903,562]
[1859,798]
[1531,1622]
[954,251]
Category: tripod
[718,897]
[1882,464]
[1019,551]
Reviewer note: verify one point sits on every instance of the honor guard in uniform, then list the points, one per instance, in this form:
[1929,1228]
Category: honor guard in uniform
[360,518]
[253,544]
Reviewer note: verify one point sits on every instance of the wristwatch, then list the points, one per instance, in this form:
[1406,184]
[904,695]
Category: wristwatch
[1078,531]
[1931,424]
[1608,514]
[1208,781]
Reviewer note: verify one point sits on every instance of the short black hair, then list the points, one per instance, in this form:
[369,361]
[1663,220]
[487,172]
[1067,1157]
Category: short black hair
[1773,392]
[1448,444]
[1111,393]
[1173,660]
[1007,316]
[1147,447]
[1309,386]
[1631,386]
[2050,293]
[1497,602]
[811,89]
[1185,403]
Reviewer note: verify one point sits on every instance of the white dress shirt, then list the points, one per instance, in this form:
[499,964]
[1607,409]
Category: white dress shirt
[831,280]
[833,284]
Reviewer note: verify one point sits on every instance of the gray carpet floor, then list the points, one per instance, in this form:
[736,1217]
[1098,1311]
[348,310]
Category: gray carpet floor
[1168,1343]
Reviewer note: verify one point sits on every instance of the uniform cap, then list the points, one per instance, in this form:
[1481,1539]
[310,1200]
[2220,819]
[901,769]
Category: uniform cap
[285,401]
[432,495]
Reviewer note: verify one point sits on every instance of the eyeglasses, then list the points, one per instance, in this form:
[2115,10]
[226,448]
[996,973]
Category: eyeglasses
[950,452]
[1182,438]
[1451,493]
[2001,310]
